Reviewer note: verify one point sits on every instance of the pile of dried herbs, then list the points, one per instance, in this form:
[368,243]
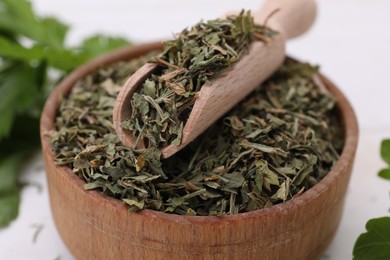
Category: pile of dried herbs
[274,145]
[162,106]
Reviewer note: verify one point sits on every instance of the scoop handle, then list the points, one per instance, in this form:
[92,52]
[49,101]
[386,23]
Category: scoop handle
[291,18]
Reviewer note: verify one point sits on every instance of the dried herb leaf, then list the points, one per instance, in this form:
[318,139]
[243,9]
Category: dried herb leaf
[162,106]
[135,205]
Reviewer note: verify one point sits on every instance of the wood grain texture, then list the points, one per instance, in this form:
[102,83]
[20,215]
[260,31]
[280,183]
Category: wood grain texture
[221,94]
[95,226]
[293,18]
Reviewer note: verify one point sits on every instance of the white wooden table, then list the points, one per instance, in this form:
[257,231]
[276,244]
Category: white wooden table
[351,42]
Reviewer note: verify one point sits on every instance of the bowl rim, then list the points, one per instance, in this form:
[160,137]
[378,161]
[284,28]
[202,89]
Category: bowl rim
[349,122]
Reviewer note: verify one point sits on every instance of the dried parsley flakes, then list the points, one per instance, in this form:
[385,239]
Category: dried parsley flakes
[274,145]
[161,107]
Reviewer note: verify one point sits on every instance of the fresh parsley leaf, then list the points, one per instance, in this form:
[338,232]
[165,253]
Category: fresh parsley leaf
[9,190]
[385,150]
[25,82]
[53,32]
[18,18]
[375,243]
[19,90]
[385,174]
[99,44]
[9,167]
[13,153]
[62,59]
[9,206]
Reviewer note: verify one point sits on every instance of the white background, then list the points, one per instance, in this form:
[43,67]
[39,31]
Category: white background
[351,42]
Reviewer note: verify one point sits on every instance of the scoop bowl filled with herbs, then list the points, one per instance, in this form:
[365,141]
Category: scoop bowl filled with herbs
[204,72]
[266,181]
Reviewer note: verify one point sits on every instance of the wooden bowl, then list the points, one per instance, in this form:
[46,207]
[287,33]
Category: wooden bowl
[95,226]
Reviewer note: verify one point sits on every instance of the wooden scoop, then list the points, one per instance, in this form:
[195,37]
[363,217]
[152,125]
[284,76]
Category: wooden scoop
[293,18]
